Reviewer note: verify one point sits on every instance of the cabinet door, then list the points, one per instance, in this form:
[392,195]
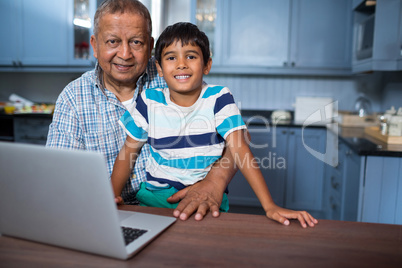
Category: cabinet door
[321,34]
[31,130]
[255,33]
[305,172]
[351,182]
[382,196]
[80,28]
[387,38]
[268,146]
[399,42]
[9,32]
[44,26]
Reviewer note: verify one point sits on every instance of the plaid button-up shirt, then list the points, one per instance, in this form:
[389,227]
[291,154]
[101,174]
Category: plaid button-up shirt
[86,118]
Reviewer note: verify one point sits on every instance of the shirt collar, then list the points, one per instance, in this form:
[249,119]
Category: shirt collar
[142,80]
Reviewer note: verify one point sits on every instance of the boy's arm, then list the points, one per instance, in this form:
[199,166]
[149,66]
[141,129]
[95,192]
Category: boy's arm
[123,165]
[249,167]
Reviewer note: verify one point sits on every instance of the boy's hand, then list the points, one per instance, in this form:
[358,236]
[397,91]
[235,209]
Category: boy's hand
[283,215]
[119,200]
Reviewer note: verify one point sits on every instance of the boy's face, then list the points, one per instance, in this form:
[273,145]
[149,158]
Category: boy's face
[183,68]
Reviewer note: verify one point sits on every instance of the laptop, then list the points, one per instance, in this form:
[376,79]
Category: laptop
[64,198]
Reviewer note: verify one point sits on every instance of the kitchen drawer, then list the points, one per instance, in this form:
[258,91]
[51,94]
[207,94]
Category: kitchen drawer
[31,129]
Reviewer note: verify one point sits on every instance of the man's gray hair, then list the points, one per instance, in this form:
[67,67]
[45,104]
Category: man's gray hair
[122,6]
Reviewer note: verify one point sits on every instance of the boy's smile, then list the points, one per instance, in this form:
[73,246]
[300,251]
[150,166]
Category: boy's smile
[183,68]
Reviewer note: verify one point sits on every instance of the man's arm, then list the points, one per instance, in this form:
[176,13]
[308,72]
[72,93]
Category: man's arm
[64,131]
[123,165]
[206,195]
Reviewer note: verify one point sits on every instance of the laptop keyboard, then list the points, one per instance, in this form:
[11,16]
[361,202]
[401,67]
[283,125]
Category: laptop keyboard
[131,234]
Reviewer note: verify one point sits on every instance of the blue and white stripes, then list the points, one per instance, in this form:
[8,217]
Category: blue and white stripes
[184,141]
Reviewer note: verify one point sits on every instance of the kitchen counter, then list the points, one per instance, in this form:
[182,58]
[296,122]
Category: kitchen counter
[364,144]
[233,240]
[354,137]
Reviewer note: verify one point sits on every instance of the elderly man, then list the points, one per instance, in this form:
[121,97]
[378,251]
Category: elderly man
[87,110]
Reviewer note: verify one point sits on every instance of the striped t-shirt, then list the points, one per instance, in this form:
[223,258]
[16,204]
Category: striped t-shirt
[184,141]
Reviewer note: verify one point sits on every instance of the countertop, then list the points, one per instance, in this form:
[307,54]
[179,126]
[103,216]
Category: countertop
[29,115]
[233,240]
[354,137]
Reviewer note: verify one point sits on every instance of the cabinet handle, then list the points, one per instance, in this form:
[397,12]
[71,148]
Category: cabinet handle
[284,131]
[293,64]
[334,184]
[14,63]
[292,132]
[19,63]
[285,64]
[332,203]
[338,166]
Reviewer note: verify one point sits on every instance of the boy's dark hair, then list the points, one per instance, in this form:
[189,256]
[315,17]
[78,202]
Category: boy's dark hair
[186,33]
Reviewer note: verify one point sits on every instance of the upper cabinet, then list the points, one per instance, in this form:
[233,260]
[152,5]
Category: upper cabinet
[254,33]
[45,33]
[278,36]
[377,38]
[321,35]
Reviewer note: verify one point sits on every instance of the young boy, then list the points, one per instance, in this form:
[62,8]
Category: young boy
[186,126]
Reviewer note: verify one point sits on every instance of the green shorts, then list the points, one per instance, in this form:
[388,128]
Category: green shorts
[157,198]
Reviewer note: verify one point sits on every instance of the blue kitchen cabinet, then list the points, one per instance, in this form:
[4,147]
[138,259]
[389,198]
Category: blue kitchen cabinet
[253,33]
[282,36]
[38,33]
[342,182]
[294,176]
[382,194]
[377,37]
[269,147]
[351,183]
[321,35]
[9,19]
[305,175]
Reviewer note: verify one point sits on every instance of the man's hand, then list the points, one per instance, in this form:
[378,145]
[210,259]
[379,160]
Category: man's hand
[201,197]
[206,195]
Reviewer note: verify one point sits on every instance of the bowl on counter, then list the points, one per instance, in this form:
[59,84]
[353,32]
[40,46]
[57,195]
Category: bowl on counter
[279,117]
[7,108]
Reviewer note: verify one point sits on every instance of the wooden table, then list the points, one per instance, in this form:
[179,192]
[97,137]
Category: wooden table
[233,240]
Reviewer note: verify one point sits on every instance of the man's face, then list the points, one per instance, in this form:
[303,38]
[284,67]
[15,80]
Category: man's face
[123,48]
